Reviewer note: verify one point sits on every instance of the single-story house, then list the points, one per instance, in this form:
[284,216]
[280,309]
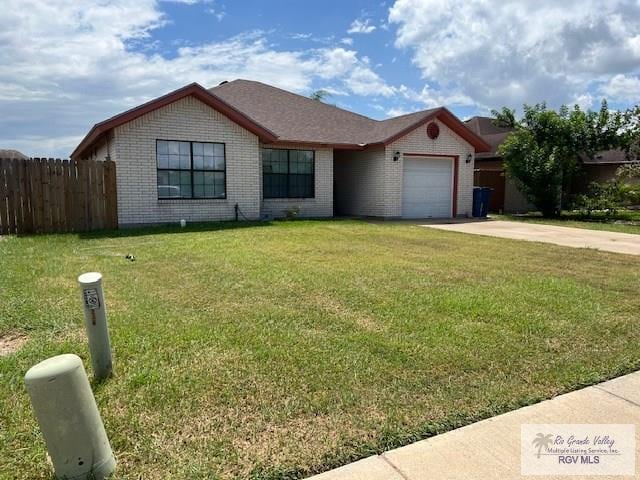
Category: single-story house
[249,149]
[506,197]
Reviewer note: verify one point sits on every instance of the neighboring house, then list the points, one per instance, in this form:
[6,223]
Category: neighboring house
[506,196]
[249,149]
[601,168]
[489,170]
[8,153]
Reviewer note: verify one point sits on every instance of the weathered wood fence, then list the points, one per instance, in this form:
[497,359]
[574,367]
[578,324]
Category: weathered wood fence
[45,195]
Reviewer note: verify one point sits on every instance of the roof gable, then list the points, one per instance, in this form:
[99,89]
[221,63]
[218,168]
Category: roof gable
[446,117]
[193,89]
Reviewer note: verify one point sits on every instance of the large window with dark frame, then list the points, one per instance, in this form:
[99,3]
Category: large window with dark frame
[288,173]
[190,169]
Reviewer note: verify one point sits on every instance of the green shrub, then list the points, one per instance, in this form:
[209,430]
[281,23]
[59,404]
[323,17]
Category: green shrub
[604,198]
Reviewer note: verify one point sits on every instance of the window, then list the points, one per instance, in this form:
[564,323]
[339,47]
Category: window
[190,169]
[288,173]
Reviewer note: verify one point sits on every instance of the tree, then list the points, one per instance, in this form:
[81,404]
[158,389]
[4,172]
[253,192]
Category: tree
[631,135]
[319,95]
[543,152]
[506,118]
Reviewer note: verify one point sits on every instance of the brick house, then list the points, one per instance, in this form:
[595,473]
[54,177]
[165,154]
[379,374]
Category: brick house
[250,149]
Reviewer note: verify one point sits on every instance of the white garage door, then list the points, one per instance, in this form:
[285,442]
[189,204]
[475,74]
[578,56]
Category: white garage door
[427,187]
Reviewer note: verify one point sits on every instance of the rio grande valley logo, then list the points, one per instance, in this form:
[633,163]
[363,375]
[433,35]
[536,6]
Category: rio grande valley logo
[578,449]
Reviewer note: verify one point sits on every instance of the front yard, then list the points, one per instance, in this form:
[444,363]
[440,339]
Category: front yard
[277,350]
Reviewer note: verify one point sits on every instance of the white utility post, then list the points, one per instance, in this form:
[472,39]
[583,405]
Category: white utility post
[69,419]
[95,322]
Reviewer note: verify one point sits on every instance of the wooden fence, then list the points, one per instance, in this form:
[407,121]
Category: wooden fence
[45,195]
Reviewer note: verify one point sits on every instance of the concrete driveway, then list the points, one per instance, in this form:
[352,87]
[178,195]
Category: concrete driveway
[569,237]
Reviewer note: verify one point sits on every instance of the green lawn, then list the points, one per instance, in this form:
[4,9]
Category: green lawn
[274,351]
[625,222]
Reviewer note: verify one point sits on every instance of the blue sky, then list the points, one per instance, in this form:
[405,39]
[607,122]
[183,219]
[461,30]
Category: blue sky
[70,63]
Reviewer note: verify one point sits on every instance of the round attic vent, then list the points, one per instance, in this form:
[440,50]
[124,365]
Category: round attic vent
[433,130]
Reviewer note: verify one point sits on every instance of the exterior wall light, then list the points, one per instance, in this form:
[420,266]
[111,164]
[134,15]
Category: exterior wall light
[396,156]
[469,158]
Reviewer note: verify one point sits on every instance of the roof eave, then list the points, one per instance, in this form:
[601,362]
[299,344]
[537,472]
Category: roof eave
[317,144]
[194,89]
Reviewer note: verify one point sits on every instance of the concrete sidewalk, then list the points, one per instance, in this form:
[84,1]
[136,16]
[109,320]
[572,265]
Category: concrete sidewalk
[490,449]
[566,236]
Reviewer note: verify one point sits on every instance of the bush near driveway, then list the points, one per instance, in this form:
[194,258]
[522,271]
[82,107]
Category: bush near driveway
[279,350]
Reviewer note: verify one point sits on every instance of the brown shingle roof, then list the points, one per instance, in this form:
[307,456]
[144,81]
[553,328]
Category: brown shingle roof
[605,157]
[296,118]
[490,133]
[276,115]
[485,126]
[494,141]
[9,153]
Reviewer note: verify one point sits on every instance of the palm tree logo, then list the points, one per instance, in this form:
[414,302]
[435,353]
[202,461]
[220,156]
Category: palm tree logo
[542,441]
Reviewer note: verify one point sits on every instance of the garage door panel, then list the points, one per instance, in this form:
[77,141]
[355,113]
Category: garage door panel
[427,187]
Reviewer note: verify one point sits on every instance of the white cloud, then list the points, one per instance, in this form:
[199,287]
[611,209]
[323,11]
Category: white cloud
[585,101]
[516,51]
[219,14]
[347,41]
[361,26]
[74,62]
[623,88]
[301,36]
[361,80]
[398,111]
[430,98]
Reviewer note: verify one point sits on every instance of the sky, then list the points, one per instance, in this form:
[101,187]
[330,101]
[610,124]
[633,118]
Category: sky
[67,64]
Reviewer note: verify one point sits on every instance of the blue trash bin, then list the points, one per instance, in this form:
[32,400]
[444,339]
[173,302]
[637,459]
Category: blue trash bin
[486,197]
[481,197]
[476,211]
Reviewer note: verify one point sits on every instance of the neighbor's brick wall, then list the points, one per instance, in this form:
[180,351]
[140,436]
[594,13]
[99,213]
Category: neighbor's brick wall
[322,203]
[187,119]
[360,183]
[417,141]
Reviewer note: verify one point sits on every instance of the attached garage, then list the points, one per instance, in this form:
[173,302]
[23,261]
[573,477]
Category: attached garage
[427,187]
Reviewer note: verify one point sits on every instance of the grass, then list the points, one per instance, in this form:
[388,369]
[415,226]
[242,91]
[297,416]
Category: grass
[274,351]
[627,221]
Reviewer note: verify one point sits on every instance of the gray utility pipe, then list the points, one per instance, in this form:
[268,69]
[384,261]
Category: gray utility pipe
[95,322]
[69,419]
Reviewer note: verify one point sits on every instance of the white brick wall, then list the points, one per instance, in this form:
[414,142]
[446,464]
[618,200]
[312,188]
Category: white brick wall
[319,206]
[360,182]
[187,119]
[370,183]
